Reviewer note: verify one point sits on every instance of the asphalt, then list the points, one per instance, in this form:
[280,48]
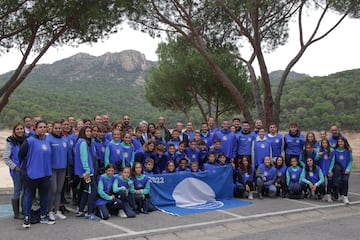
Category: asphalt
[221,224]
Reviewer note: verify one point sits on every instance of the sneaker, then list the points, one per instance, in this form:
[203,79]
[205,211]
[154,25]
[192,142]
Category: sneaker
[80,214]
[122,213]
[51,216]
[45,220]
[59,215]
[91,216]
[346,200]
[26,223]
[341,198]
[250,197]
[328,196]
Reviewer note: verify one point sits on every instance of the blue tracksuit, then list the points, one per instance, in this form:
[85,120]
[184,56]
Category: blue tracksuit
[228,142]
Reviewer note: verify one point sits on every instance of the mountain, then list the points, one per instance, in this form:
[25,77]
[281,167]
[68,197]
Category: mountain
[276,75]
[84,86]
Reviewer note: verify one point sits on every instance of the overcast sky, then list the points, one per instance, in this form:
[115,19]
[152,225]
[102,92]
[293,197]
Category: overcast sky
[337,52]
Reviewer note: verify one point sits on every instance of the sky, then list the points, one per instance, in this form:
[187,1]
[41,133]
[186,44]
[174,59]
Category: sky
[339,51]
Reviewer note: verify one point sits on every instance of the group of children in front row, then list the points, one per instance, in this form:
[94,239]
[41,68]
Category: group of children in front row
[324,175]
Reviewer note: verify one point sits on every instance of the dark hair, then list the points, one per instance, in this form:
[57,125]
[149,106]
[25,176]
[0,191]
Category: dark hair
[328,149]
[15,126]
[27,116]
[346,145]
[133,173]
[242,167]
[38,122]
[283,162]
[110,165]
[307,168]
[83,135]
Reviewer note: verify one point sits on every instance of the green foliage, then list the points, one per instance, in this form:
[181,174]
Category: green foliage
[318,102]
[183,79]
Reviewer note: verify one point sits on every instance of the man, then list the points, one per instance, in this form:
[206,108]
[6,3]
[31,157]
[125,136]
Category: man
[212,125]
[293,143]
[277,141]
[228,140]
[190,131]
[244,141]
[258,125]
[335,134]
[28,125]
[105,120]
[126,122]
[205,135]
[71,120]
[236,123]
[165,133]
[183,137]
[144,132]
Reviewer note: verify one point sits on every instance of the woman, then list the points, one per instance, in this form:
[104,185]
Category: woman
[84,169]
[59,159]
[10,157]
[35,161]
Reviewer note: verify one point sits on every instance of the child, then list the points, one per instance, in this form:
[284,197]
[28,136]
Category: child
[149,167]
[222,159]
[158,139]
[265,178]
[123,188]
[147,151]
[170,167]
[280,182]
[217,148]
[160,159]
[142,189]
[107,203]
[192,153]
[245,178]
[203,152]
[313,177]
[342,169]
[293,179]
[308,152]
[194,167]
[183,166]
[100,146]
[127,151]
[180,152]
[113,151]
[211,163]
[175,140]
[136,140]
[261,147]
[325,156]
[170,154]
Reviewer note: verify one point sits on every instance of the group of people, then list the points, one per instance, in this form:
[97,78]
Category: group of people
[106,168]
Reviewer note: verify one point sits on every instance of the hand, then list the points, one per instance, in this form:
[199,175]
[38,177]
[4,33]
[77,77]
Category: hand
[247,188]
[330,174]
[321,154]
[138,191]
[112,197]
[347,172]
[17,169]
[86,177]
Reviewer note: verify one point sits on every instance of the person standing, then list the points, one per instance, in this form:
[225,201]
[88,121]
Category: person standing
[165,133]
[11,159]
[35,161]
[293,143]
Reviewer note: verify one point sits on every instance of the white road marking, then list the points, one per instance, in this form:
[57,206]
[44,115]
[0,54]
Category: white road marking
[231,214]
[303,202]
[194,225]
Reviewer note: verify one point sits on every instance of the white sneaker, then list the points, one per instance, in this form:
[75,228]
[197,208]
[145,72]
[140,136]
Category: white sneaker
[59,215]
[341,198]
[250,196]
[328,196]
[346,200]
[122,214]
[51,216]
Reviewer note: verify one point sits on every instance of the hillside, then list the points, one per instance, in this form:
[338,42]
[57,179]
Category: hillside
[84,85]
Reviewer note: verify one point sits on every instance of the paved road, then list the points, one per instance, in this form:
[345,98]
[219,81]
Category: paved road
[258,220]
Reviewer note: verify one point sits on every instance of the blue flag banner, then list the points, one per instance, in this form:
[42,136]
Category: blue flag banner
[186,192]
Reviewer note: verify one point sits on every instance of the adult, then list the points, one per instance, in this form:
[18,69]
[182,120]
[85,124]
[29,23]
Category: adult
[106,122]
[205,134]
[183,137]
[35,157]
[28,125]
[189,131]
[212,125]
[228,140]
[11,159]
[72,122]
[261,148]
[97,119]
[126,122]
[335,135]
[277,141]
[293,143]
[59,159]
[165,133]
[144,132]
[258,125]
[244,141]
[236,122]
